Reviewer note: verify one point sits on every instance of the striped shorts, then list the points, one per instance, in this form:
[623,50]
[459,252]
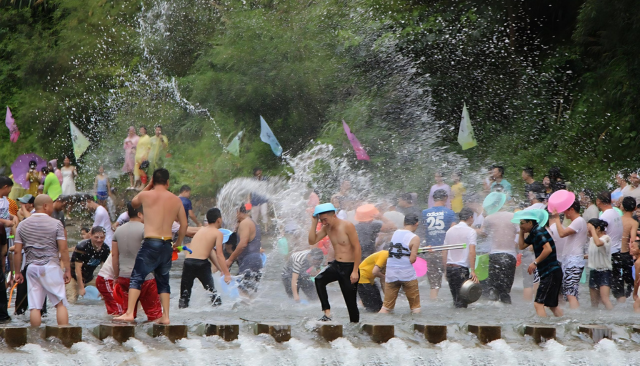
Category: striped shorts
[571,281]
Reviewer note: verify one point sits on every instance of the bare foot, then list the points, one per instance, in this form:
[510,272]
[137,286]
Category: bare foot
[164,320]
[125,318]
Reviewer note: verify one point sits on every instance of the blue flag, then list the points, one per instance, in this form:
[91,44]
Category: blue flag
[267,136]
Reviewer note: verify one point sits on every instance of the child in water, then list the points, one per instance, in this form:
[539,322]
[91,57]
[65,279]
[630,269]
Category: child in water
[599,261]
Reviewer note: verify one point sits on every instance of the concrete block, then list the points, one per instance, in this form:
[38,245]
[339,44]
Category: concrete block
[635,329]
[540,333]
[380,333]
[119,332]
[432,333]
[279,332]
[14,336]
[485,333]
[228,332]
[66,333]
[330,331]
[171,331]
[596,332]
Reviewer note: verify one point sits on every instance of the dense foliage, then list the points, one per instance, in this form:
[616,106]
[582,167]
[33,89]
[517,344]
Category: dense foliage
[548,83]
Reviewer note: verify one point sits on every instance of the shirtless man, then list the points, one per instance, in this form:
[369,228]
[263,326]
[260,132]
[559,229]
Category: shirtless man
[206,245]
[161,209]
[344,268]
[629,229]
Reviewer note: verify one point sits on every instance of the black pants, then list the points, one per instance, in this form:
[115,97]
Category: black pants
[502,270]
[621,277]
[370,295]
[22,302]
[200,269]
[456,277]
[4,313]
[341,272]
[304,283]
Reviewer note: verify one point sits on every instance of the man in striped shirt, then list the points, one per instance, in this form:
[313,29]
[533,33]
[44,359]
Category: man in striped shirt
[295,276]
[44,245]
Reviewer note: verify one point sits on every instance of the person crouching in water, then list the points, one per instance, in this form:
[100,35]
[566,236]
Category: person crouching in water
[207,244]
[461,263]
[399,271]
[546,261]
[296,276]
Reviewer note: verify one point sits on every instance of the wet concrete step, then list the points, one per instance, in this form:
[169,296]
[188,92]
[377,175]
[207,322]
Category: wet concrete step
[279,332]
[67,334]
[379,333]
[330,331]
[596,332]
[540,332]
[119,332]
[14,336]
[228,332]
[172,331]
[486,333]
[433,333]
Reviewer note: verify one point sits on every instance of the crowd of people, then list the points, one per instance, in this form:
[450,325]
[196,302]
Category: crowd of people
[371,250]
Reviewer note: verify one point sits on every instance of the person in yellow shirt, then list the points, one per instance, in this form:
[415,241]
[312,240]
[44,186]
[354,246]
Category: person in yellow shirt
[142,154]
[457,190]
[159,145]
[370,268]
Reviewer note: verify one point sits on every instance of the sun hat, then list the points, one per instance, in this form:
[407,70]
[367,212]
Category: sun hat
[561,200]
[494,202]
[539,215]
[366,213]
[322,208]
[27,198]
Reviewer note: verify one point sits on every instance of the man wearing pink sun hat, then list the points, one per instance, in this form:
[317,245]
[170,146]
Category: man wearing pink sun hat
[370,224]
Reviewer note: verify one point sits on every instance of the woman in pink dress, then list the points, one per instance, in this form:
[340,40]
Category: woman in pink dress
[130,144]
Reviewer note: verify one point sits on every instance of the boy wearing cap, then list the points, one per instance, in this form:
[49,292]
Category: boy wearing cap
[206,245]
[26,206]
[546,262]
[344,268]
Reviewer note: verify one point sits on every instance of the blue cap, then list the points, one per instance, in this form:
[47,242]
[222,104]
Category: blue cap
[226,234]
[494,202]
[541,216]
[325,207]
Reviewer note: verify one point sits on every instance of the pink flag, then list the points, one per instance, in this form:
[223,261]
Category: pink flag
[360,153]
[11,125]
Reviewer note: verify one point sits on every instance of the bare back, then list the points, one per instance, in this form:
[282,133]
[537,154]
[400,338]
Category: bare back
[204,241]
[344,239]
[629,229]
[161,209]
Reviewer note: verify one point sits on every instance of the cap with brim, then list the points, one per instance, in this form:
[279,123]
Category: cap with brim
[494,202]
[225,234]
[540,216]
[366,213]
[322,208]
[27,198]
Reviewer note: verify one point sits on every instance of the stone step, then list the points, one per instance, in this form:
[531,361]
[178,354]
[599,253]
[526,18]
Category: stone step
[228,332]
[119,332]
[379,333]
[433,333]
[172,331]
[66,333]
[485,333]
[596,332]
[279,332]
[14,336]
[635,328]
[330,331]
[540,333]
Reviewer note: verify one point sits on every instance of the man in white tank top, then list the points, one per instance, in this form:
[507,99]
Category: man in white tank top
[399,271]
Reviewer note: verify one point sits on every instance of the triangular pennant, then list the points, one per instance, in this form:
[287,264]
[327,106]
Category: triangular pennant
[361,154]
[267,136]
[80,142]
[234,146]
[466,138]
[14,133]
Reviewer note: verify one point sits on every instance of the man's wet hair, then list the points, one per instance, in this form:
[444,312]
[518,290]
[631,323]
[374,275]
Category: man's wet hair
[528,171]
[629,204]
[85,230]
[98,229]
[576,206]
[213,214]
[500,169]
[411,219]
[440,195]
[185,188]
[133,212]
[241,209]
[604,197]
[5,181]
[407,197]
[161,176]
[465,214]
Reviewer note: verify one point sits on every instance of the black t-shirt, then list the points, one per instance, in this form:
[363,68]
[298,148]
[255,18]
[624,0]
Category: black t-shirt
[535,186]
[90,258]
[59,215]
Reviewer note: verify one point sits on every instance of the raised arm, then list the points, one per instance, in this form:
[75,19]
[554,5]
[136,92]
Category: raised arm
[562,231]
[521,244]
[315,237]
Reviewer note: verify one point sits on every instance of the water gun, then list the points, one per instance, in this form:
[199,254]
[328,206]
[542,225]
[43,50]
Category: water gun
[174,255]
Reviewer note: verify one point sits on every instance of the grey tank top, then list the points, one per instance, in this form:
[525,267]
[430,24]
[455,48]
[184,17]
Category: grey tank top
[250,258]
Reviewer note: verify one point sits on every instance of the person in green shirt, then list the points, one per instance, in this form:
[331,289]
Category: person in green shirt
[52,185]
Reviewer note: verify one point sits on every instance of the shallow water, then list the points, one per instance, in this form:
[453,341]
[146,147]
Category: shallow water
[306,348]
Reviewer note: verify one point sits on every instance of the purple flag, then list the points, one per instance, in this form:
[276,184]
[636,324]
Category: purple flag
[360,153]
[11,125]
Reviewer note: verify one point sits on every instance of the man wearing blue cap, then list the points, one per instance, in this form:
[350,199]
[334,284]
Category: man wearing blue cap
[205,246]
[344,268]
[546,261]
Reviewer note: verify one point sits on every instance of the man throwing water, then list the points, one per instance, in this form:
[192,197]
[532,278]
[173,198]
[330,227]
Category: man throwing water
[161,209]
[344,269]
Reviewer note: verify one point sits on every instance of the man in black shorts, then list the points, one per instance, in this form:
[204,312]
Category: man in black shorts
[546,260]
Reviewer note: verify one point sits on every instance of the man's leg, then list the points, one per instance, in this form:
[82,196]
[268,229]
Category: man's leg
[330,274]
[349,292]
[105,287]
[206,278]
[4,313]
[507,264]
[264,209]
[494,277]
[186,283]
[306,285]
[150,300]
[434,261]
[412,291]
[72,291]
[617,281]
[62,314]
[149,254]
[162,280]
[391,290]
[627,275]
[370,295]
